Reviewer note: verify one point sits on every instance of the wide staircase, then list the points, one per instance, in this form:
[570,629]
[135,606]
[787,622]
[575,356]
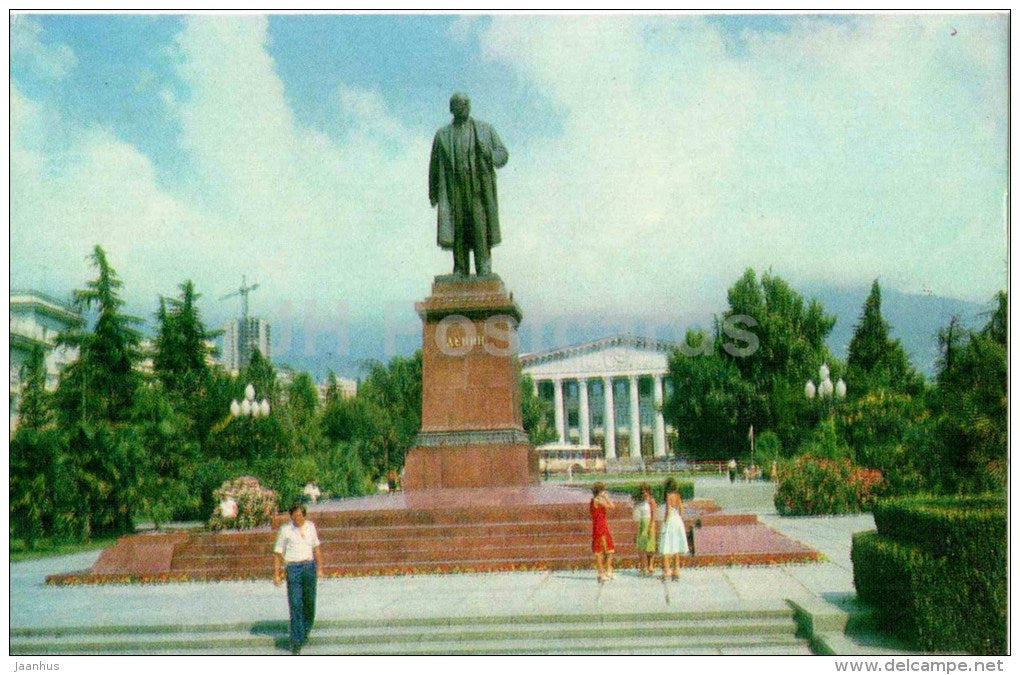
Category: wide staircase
[766,631]
[556,536]
[406,535]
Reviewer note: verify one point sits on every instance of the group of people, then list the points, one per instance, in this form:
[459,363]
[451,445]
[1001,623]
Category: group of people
[298,558]
[660,531]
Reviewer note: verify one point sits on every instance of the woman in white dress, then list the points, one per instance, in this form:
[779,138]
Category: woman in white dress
[673,533]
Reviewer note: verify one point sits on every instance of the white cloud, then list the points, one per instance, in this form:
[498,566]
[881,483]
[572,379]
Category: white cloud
[306,216]
[827,152]
[53,61]
[836,152]
[99,190]
[299,209]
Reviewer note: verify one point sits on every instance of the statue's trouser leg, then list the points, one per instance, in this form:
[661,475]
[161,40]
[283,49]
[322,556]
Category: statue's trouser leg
[480,239]
[461,263]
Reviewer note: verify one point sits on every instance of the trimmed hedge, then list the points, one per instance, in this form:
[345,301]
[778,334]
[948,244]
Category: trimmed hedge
[968,527]
[936,572]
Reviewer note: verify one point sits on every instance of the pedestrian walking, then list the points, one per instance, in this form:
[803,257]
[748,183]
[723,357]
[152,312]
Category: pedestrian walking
[673,534]
[601,538]
[297,553]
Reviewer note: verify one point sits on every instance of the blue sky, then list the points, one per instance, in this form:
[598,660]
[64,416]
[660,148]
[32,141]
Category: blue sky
[652,158]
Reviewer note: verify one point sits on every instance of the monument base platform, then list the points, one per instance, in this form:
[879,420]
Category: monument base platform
[470,466]
[532,527]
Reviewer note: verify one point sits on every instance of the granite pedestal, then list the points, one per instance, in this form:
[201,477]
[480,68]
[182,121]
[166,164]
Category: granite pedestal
[471,430]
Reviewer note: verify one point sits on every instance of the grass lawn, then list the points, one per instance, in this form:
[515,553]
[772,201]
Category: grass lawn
[44,548]
[632,482]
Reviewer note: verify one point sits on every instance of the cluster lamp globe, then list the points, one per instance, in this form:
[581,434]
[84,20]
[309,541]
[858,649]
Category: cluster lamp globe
[249,406]
[825,387]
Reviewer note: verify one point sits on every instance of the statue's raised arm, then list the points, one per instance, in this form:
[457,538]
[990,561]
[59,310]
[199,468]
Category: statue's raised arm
[462,185]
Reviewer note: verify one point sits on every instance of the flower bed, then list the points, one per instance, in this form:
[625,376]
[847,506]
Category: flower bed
[255,504]
[816,486]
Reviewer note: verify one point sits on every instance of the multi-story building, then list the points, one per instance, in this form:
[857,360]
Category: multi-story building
[608,393]
[36,320]
[240,340]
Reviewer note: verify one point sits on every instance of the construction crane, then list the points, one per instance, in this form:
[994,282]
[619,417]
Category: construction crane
[244,343]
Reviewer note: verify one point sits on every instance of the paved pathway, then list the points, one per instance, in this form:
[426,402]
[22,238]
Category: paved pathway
[33,604]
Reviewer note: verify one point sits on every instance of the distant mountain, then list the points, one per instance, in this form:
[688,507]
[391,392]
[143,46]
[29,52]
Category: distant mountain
[913,319]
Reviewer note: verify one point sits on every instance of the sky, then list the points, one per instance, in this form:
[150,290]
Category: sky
[652,158]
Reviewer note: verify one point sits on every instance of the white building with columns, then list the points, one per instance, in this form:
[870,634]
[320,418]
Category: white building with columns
[617,383]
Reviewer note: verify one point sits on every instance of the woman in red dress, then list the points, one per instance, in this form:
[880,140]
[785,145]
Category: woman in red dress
[601,538]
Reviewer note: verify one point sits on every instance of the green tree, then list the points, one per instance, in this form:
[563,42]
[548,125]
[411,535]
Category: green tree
[967,449]
[395,391]
[161,434]
[875,361]
[352,419]
[751,370]
[181,345]
[878,426]
[711,404]
[885,405]
[34,405]
[100,385]
[94,401]
[332,388]
[790,337]
[261,374]
[35,481]
[342,473]
[33,456]
[302,399]
[536,414]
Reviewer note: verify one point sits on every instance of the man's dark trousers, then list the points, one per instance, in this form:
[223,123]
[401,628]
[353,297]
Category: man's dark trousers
[301,584]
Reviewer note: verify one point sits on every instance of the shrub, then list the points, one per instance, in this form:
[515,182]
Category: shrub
[972,527]
[256,505]
[936,572]
[813,486]
[825,442]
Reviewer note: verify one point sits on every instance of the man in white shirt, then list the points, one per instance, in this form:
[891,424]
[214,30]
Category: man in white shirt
[297,550]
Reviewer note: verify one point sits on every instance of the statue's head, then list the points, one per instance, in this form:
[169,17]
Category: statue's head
[460,106]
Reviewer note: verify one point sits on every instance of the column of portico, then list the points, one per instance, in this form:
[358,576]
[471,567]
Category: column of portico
[558,405]
[609,418]
[660,422]
[534,386]
[635,419]
[582,390]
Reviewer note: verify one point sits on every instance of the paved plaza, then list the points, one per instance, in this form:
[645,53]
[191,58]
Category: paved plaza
[823,586]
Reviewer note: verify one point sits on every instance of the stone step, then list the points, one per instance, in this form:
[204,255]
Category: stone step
[772,631]
[455,516]
[537,545]
[439,531]
[775,612]
[380,538]
[356,567]
[383,530]
[430,631]
[609,646]
[540,649]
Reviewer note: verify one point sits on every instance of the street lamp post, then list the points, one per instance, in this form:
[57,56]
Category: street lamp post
[825,390]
